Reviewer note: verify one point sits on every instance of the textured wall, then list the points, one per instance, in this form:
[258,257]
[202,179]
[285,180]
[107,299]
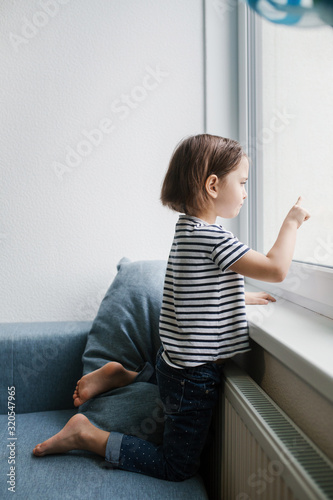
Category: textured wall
[94,98]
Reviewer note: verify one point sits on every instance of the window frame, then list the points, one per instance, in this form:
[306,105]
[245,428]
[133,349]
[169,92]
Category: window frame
[308,285]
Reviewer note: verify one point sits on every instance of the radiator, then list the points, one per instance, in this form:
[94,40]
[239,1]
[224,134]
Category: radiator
[260,454]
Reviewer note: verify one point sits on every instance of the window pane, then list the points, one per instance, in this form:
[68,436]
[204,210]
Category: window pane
[296,137]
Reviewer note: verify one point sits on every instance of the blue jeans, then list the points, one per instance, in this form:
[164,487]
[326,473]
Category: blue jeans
[189,396]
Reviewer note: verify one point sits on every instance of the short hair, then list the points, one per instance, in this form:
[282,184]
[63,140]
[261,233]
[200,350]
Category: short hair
[194,159]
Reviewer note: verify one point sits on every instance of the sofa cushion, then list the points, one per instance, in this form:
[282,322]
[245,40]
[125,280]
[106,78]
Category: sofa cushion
[135,410]
[126,330]
[126,326]
[76,475]
[35,357]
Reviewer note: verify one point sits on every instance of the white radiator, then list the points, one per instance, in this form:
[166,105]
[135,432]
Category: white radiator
[262,454]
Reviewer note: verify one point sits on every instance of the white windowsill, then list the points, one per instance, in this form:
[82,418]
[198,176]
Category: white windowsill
[298,337]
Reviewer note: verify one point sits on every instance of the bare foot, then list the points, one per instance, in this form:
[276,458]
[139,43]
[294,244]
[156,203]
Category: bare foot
[78,434]
[104,379]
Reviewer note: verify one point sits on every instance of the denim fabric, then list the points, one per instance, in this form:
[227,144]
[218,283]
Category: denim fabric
[189,397]
[76,475]
[146,373]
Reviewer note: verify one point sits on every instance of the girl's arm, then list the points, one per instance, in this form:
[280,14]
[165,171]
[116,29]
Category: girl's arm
[274,266]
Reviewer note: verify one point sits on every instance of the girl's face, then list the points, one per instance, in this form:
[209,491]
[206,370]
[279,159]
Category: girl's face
[231,191]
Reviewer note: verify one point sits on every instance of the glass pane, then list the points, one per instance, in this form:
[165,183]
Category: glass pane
[296,137]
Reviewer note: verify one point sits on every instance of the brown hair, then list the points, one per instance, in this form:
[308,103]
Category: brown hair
[193,161]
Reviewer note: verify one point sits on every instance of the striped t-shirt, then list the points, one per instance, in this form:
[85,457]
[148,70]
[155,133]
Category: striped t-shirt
[203,315]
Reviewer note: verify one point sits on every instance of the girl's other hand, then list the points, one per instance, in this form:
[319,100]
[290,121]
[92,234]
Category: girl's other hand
[297,213]
[261,298]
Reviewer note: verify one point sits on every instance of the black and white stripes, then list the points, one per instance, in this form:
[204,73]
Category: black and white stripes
[203,311]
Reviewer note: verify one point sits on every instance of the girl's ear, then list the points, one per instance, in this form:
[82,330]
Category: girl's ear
[211,185]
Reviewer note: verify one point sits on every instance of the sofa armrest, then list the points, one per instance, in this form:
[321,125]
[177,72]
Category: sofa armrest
[43,362]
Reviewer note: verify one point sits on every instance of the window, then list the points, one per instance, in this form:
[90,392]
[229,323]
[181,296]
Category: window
[297,134]
[286,119]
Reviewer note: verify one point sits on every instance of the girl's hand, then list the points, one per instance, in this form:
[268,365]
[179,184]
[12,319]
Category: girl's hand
[262,298]
[297,213]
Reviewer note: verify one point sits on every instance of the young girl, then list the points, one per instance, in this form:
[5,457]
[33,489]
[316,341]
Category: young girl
[202,321]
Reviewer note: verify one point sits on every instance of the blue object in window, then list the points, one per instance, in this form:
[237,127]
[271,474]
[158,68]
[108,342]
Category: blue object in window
[305,13]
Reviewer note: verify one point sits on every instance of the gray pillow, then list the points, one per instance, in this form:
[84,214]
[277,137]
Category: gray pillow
[126,330]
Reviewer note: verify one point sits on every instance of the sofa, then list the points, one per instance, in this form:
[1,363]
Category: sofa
[39,366]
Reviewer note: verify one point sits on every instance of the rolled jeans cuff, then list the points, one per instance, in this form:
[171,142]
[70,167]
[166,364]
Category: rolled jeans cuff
[146,373]
[113,445]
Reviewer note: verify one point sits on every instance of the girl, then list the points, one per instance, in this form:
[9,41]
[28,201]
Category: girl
[202,320]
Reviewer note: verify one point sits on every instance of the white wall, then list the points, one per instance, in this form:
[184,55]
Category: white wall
[72,206]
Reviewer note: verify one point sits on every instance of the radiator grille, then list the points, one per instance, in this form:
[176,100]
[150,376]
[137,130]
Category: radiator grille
[264,454]
[248,473]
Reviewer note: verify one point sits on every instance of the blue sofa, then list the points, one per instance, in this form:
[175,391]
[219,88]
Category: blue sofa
[39,366]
